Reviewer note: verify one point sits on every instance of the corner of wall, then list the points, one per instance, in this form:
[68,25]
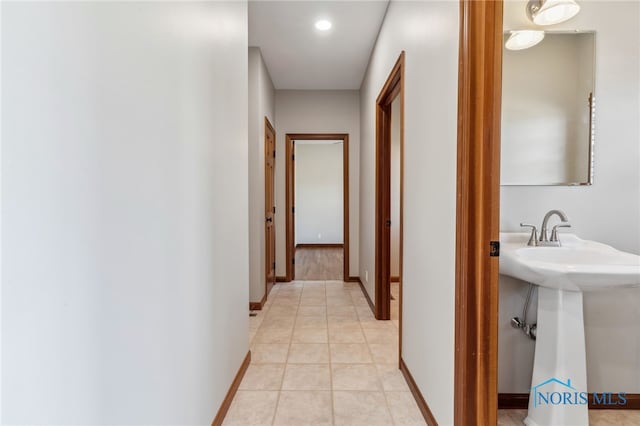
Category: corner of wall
[262,104]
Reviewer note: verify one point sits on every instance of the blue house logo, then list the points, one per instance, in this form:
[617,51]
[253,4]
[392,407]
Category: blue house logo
[568,395]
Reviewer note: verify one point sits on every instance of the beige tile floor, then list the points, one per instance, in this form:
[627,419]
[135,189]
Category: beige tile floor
[319,357]
[596,417]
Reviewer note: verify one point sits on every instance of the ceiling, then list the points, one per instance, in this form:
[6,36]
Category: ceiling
[299,56]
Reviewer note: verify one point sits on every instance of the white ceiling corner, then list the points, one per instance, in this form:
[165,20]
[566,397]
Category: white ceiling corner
[300,57]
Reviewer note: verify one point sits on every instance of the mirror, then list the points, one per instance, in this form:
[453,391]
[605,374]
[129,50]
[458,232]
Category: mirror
[548,106]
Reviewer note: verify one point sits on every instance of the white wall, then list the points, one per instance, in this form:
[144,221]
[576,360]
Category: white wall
[428,32]
[124,246]
[608,211]
[319,198]
[318,111]
[261,105]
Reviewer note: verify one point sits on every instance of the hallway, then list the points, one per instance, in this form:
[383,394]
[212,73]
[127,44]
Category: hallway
[320,357]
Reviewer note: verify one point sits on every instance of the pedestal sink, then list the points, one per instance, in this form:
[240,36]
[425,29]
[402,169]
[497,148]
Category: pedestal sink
[558,395]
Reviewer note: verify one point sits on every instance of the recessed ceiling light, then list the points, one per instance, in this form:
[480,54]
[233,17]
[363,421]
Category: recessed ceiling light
[323,25]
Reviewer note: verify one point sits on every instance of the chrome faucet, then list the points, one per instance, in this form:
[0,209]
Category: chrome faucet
[544,239]
[533,239]
[554,241]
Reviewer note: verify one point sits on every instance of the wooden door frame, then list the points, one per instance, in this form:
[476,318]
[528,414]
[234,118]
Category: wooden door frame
[477,212]
[393,88]
[269,127]
[290,197]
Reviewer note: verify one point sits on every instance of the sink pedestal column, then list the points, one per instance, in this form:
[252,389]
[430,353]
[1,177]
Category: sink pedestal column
[559,384]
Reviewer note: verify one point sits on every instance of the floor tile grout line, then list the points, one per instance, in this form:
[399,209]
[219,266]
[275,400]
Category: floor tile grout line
[264,313]
[386,400]
[324,286]
[295,318]
[331,395]
[275,408]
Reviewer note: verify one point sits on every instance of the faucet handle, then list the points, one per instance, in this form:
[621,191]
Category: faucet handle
[533,239]
[554,230]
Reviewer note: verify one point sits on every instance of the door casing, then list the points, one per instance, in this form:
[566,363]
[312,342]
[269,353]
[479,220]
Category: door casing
[393,88]
[290,197]
[269,206]
[478,215]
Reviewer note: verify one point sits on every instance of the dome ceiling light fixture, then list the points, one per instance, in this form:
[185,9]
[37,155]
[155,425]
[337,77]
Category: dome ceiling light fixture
[551,12]
[524,39]
[323,25]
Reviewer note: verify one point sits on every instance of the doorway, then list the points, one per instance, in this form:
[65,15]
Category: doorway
[318,250]
[389,194]
[269,205]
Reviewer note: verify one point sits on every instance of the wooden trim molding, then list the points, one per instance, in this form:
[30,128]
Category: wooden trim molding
[364,291]
[290,196]
[319,245]
[269,187]
[393,87]
[477,212]
[290,270]
[257,306]
[520,401]
[226,402]
[281,279]
[513,401]
[413,387]
[345,206]
[395,279]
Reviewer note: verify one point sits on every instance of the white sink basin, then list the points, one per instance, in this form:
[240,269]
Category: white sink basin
[578,265]
[563,273]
